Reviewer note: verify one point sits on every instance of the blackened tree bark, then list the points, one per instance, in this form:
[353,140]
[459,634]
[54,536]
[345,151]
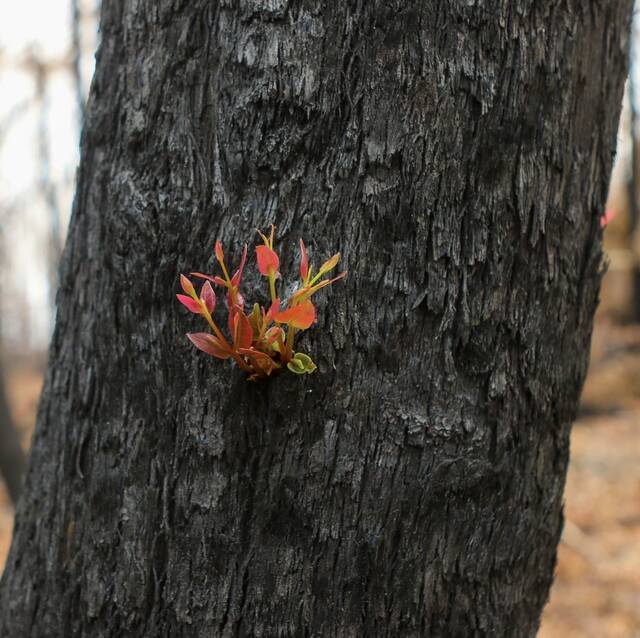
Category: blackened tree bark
[458,154]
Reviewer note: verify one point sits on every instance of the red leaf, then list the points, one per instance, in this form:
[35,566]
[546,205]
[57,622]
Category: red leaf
[301,316]
[218,251]
[239,301]
[267,260]
[237,276]
[242,330]
[273,310]
[187,286]
[191,304]
[216,280]
[304,261]
[209,344]
[208,296]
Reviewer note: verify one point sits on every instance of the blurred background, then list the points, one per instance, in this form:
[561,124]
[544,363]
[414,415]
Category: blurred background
[46,63]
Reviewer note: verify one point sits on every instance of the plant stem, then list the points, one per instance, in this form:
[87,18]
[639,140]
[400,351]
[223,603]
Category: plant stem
[290,335]
[272,286]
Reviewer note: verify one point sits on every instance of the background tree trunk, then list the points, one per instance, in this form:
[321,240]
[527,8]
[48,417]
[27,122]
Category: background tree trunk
[458,154]
[12,459]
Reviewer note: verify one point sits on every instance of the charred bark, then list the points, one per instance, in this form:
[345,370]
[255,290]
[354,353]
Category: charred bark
[458,154]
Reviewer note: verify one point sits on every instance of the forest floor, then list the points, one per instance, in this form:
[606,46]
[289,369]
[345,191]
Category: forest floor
[596,593]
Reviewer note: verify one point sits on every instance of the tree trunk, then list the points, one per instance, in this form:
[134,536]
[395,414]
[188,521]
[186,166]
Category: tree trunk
[458,154]
[12,460]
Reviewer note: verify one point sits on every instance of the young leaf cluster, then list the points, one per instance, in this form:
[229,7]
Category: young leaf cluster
[260,340]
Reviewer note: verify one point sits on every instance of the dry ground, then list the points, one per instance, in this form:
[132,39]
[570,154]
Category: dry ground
[597,588]
[23,388]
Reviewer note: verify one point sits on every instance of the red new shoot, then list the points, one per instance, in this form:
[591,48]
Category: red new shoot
[260,341]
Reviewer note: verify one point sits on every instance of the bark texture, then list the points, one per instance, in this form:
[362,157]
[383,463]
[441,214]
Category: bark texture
[458,154]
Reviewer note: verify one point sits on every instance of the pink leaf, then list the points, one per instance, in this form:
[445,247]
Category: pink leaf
[208,296]
[191,304]
[209,344]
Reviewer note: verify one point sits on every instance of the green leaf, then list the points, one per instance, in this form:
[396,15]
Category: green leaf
[293,365]
[304,362]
